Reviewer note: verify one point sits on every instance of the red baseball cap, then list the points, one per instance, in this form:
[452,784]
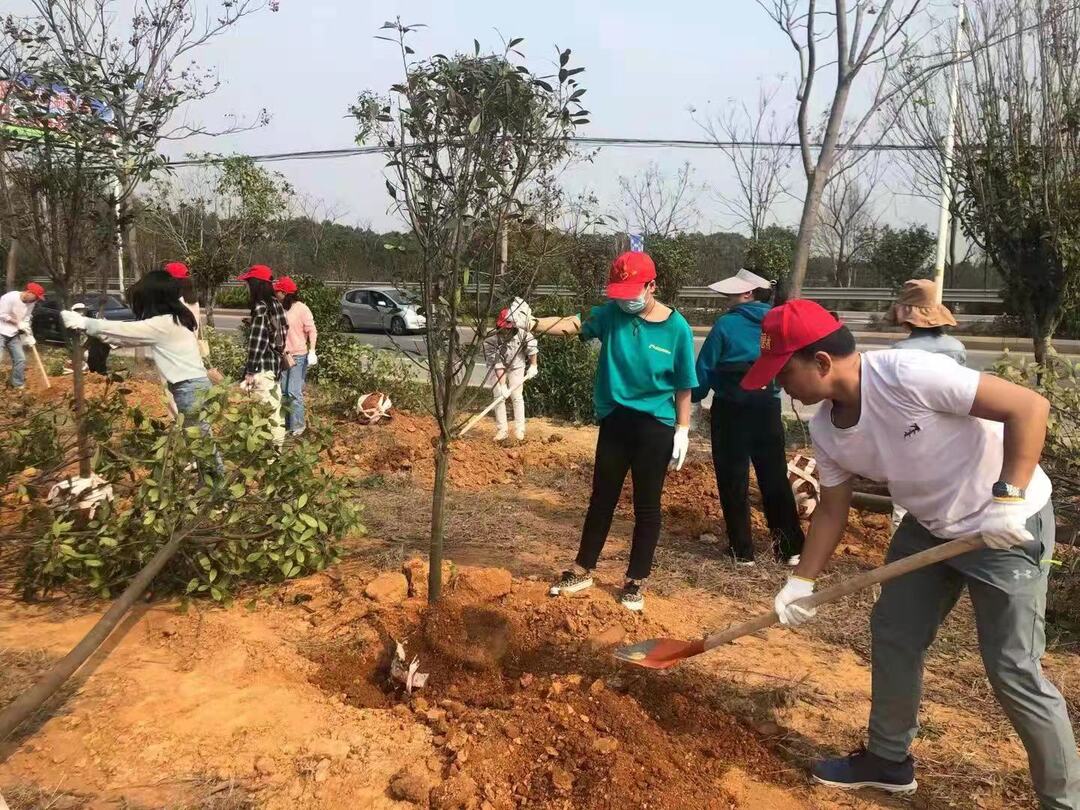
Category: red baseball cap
[176,269]
[259,271]
[36,289]
[503,321]
[285,285]
[629,274]
[786,329]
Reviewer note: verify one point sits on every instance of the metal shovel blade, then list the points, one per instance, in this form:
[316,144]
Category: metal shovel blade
[659,653]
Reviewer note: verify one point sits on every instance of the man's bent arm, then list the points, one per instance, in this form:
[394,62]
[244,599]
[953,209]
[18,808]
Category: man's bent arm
[1024,414]
[826,528]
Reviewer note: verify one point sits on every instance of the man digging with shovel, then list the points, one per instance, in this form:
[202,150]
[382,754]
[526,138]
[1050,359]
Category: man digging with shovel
[959,451]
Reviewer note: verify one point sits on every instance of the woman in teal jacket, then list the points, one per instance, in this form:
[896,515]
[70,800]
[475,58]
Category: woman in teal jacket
[746,425]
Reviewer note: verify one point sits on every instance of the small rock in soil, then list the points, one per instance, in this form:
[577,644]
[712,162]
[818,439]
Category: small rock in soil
[562,780]
[455,793]
[483,584]
[388,589]
[769,729]
[596,687]
[526,680]
[411,784]
[709,538]
[329,749]
[606,745]
[608,637]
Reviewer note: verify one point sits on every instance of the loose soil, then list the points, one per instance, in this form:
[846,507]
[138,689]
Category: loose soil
[284,699]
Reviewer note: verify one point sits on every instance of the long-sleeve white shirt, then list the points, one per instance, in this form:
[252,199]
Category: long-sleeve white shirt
[14,312]
[175,348]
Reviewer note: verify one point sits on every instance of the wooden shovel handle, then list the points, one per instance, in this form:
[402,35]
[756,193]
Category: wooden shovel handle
[884,573]
[41,367]
[472,422]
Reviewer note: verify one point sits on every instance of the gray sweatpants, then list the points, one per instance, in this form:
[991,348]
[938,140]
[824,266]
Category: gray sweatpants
[1008,592]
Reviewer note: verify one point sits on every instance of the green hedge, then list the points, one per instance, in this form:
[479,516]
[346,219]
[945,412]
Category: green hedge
[564,387]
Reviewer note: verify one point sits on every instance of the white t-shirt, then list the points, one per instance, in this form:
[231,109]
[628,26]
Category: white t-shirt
[175,348]
[14,313]
[916,435]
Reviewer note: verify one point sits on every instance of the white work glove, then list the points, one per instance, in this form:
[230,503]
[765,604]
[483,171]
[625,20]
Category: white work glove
[1002,524]
[792,615]
[531,372]
[73,320]
[25,328]
[248,383]
[28,339]
[312,358]
[501,390]
[680,446]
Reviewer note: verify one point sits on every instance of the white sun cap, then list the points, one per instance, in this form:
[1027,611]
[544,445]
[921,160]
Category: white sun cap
[742,282]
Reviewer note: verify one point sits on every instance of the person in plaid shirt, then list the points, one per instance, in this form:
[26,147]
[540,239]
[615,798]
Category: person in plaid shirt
[266,346]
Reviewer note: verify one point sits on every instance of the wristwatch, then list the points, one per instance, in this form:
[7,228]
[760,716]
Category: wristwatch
[1007,493]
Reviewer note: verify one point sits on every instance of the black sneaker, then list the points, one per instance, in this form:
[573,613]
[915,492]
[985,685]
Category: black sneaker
[864,769]
[632,598]
[570,582]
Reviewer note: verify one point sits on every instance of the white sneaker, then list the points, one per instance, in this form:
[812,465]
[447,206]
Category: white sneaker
[519,436]
[501,436]
[794,560]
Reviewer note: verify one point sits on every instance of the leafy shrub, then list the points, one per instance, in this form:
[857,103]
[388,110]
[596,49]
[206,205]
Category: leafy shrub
[266,516]
[324,303]
[564,387]
[232,298]
[227,353]
[348,368]
[1059,381]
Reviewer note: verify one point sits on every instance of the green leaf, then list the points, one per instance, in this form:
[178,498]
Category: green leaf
[391,190]
[309,520]
[476,46]
[564,57]
[237,489]
[515,41]
[474,125]
[301,502]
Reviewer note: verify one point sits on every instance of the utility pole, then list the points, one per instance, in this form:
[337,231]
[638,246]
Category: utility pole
[945,212]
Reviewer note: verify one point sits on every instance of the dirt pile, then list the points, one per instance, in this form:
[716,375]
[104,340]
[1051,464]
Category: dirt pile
[525,708]
[403,447]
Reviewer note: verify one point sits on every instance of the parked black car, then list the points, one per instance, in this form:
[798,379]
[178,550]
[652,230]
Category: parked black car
[45,319]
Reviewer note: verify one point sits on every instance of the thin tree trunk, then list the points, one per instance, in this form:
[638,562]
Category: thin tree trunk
[211,297]
[438,519]
[807,225]
[11,264]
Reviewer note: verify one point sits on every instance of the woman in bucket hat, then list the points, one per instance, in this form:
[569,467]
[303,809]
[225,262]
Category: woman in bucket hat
[644,380]
[917,309]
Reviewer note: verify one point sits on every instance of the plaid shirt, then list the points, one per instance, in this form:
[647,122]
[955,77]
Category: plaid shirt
[266,340]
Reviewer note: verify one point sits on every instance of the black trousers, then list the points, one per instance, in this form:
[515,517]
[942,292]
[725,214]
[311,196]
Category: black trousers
[634,441]
[742,433]
[97,355]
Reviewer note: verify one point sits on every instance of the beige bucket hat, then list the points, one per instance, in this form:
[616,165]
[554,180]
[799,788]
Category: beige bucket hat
[917,306]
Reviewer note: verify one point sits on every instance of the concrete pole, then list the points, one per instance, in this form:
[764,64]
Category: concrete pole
[947,159]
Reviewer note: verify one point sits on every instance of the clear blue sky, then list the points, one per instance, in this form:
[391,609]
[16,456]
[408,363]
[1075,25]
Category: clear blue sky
[646,63]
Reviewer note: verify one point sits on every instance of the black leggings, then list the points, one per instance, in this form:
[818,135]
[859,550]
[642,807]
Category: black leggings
[634,441]
[742,433]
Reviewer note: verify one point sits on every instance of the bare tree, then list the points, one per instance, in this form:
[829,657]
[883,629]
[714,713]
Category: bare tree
[874,38]
[657,205]
[311,215]
[848,220]
[754,140]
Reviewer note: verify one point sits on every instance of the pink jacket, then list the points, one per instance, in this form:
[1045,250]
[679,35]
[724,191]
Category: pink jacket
[302,332]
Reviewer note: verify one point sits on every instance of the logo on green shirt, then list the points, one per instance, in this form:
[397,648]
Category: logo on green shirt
[660,349]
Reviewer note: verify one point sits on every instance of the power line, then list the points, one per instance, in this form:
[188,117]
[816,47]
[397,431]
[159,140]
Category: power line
[645,143]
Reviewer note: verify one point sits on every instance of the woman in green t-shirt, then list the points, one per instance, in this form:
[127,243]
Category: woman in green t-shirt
[642,392]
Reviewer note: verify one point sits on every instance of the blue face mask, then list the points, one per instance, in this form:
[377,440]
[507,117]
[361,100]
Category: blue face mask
[633,306]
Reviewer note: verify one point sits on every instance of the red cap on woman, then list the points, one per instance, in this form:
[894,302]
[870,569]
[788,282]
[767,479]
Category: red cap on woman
[285,285]
[176,269]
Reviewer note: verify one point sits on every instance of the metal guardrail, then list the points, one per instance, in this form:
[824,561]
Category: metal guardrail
[884,294]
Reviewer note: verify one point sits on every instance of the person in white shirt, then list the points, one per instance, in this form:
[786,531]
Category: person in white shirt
[166,326]
[511,355]
[15,332]
[960,451]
